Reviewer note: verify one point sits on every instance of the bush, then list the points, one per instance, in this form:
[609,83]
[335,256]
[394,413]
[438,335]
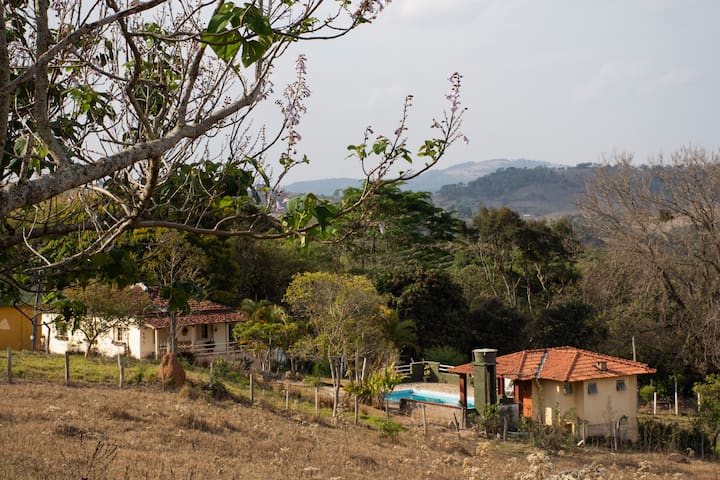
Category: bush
[646,393]
[659,436]
[489,418]
[547,437]
[390,429]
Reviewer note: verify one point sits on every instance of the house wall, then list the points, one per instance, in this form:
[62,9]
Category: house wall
[609,405]
[221,333]
[146,347]
[552,403]
[16,328]
[75,342]
[598,410]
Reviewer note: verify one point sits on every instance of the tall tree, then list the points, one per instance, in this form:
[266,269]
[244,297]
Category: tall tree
[432,300]
[397,225]
[268,327]
[114,118]
[528,263]
[344,315]
[662,221]
[175,265]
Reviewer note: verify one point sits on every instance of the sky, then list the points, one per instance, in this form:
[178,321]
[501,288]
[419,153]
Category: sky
[564,81]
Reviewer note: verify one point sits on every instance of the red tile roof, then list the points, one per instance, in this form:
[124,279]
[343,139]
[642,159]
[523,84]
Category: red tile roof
[201,313]
[562,364]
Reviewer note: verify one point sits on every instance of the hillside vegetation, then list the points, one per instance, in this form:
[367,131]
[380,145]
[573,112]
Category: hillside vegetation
[538,192]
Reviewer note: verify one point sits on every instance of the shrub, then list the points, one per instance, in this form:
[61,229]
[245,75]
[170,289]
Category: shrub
[646,393]
[547,437]
[139,374]
[660,436]
[489,418]
[390,429]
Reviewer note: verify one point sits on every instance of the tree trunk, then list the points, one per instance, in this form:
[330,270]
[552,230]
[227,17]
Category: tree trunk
[36,314]
[335,375]
[172,337]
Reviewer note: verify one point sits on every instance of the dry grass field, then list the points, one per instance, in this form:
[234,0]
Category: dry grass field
[94,430]
[98,432]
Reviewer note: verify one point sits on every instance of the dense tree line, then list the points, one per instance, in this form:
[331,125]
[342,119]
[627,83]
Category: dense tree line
[645,286]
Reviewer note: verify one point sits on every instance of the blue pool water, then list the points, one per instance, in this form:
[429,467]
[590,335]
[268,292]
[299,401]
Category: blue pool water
[427,396]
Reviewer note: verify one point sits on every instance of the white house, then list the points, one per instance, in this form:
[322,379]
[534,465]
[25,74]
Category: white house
[206,330]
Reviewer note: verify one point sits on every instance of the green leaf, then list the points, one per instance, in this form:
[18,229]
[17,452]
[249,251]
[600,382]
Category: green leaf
[222,17]
[253,50]
[257,22]
[225,39]
[19,146]
[226,201]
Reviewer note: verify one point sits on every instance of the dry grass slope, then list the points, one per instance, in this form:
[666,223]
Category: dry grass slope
[97,432]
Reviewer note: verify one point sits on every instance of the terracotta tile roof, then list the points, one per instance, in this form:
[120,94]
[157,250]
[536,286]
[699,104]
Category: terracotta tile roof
[562,364]
[201,313]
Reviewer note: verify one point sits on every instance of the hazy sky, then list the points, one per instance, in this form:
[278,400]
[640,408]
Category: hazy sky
[565,81]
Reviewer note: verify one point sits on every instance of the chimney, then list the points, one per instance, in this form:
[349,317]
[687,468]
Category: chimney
[601,365]
[485,377]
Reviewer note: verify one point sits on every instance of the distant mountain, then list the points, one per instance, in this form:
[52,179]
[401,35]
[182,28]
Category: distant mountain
[430,181]
[434,179]
[537,192]
[326,187]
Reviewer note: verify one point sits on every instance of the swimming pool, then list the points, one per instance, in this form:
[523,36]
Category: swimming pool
[427,396]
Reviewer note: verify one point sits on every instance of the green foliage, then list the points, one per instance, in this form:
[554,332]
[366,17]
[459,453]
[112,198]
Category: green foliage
[232,28]
[493,324]
[397,224]
[390,430]
[527,263]
[646,393]
[344,318]
[308,212]
[378,384]
[445,354]
[489,418]
[554,192]
[548,437]
[570,323]
[709,408]
[660,435]
[431,299]
[268,326]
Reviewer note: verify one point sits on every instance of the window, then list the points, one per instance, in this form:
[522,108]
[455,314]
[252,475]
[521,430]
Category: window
[120,335]
[567,388]
[592,388]
[204,331]
[620,385]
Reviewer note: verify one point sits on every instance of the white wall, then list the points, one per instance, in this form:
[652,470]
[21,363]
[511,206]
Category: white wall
[76,341]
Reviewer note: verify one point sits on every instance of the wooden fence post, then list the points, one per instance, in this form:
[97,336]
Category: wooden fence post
[252,389]
[67,368]
[316,401]
[357,408]
[287,397]
[121,366]
[424,419]
[9,365]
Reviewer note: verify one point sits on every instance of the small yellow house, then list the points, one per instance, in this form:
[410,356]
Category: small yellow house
[16,327]
[590,393]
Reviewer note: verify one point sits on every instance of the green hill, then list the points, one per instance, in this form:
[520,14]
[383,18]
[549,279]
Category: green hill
[537,192]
